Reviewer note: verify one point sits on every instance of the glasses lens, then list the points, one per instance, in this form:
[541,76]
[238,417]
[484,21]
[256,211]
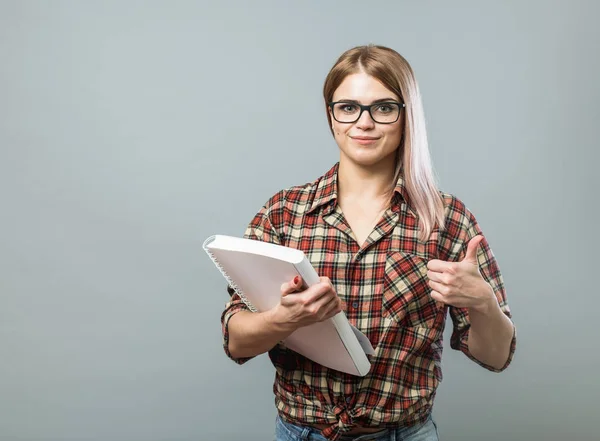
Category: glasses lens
[346,112]
[385,113]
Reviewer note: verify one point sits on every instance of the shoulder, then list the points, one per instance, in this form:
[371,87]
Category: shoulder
[458,219]
[455,210]
[290,203]
[298,198]
[460,226]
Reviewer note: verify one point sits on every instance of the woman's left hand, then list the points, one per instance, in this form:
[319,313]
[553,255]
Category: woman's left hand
[460,284]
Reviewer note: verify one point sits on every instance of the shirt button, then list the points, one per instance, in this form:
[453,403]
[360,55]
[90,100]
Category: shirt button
[348,399]
[358,257]
[354,305]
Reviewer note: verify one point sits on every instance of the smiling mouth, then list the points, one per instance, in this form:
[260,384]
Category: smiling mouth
[364,140]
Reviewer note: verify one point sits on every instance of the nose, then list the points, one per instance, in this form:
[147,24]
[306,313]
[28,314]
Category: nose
[365,121]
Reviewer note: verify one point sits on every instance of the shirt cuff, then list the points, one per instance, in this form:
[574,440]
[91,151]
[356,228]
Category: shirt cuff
[462,344]
[231,309]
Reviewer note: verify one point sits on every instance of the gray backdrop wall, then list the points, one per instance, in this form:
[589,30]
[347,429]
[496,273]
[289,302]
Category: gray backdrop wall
[130,131]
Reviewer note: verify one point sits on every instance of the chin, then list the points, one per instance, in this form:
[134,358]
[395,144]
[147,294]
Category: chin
[365,161]
[369,158]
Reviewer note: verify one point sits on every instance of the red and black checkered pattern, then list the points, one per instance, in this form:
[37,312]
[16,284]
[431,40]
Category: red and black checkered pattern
[384,288]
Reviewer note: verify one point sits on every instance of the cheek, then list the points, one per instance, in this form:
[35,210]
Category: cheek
[340,131]
[394,136]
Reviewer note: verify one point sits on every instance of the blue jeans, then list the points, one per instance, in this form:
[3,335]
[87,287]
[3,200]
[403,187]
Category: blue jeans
[426,431]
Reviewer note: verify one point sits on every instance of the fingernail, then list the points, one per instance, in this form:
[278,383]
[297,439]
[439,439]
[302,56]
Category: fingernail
[296,280]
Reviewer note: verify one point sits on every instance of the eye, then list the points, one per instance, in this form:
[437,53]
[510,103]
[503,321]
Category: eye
[384,108]
[347,107]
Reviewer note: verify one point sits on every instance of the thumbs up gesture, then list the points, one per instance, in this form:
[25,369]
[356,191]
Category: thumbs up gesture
[460,284]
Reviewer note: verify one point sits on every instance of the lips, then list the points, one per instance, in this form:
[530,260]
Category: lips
[364,138]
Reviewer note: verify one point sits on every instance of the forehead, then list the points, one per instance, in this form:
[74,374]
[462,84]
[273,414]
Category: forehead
[362,88]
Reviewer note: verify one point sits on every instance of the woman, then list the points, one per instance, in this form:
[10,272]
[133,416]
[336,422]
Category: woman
[394,253]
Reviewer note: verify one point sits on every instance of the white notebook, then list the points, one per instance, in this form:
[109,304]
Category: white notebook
[256,270]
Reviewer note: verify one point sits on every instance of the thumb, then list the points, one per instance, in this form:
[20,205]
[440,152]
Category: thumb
[471,254]
[290,287]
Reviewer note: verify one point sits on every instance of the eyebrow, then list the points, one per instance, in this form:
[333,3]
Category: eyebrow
[380,100]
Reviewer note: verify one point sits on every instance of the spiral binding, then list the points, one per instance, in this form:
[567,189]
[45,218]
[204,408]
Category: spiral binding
[231,283]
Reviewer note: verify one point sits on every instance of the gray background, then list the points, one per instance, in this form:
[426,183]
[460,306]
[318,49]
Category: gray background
[130,131]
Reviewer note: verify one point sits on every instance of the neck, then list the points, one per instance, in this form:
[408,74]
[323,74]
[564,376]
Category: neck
[360,182]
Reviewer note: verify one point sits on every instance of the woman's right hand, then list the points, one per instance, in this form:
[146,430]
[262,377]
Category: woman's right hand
[299,307]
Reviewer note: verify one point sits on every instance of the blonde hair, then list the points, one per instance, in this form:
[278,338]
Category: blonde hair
[413,160]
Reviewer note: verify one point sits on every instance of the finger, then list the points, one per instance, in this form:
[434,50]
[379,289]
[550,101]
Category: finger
[320,298]
[306,298]
[327,281]
[441,266]
[438,297]
[319,291]
[438,277]
[290,287]
[445,290]
[471,254]
[332,308]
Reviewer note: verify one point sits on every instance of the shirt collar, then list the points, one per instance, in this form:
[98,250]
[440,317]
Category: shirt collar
[327,189]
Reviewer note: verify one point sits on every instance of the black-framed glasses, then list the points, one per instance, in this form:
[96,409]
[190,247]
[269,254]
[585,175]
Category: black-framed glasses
[347,112]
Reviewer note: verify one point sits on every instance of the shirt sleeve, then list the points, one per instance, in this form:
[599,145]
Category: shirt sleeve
[490,271]
[260,228]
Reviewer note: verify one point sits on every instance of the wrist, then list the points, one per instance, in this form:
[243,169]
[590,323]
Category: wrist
[275,322]
[487,304]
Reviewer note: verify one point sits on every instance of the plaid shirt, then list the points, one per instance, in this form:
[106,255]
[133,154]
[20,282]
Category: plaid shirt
[386,295]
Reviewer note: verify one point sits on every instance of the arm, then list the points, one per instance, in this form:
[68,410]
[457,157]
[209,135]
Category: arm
[491,333]
[251,333]
[247,334]
[483,329]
